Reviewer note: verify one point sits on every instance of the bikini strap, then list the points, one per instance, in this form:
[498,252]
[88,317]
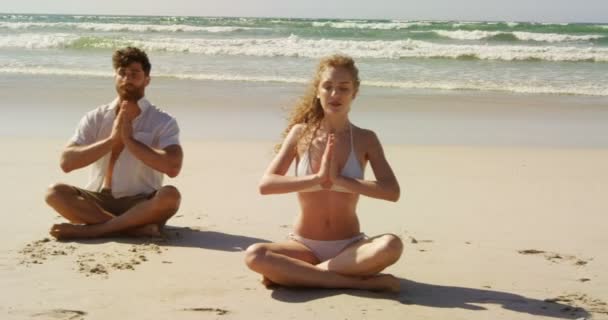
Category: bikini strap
[352,144]
[310,145]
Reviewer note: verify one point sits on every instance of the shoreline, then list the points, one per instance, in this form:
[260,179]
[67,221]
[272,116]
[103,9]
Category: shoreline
[257,112]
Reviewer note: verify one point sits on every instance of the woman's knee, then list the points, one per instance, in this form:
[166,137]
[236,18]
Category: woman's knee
[255,255]
[390,246]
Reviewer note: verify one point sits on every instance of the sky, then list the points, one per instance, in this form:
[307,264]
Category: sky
[469,10]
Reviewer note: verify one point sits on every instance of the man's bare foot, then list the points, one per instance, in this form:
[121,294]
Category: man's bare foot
[268,283]
[148,230]
[63,231]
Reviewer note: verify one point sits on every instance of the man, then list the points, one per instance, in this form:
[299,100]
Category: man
[131,144]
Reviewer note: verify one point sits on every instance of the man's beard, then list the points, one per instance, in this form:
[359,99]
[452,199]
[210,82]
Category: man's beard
[130,93]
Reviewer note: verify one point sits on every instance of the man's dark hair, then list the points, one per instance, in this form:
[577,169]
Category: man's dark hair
[125,56]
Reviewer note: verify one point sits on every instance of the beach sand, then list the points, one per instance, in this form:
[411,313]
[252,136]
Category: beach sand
[492,230]
[467,216]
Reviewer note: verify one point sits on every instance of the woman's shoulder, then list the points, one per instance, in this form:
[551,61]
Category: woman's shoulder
[298,127]
[294,135]
[296,131]
[364,135]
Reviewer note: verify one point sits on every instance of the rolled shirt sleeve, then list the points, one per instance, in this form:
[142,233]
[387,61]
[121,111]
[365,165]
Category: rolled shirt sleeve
[85,133]
[169,135]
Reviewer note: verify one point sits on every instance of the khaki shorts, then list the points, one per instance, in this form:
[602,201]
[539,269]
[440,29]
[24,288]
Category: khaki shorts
[115,206]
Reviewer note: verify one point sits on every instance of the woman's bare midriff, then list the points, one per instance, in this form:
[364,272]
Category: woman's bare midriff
[327,215]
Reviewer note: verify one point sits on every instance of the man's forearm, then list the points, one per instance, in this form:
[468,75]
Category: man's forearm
[77,156]
[167,162]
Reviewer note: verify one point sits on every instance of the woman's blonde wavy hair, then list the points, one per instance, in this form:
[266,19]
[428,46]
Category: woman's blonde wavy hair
[308,109]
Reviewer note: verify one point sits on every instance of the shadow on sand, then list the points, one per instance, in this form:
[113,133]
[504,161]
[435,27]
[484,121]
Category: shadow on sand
[189,238]
[438,296]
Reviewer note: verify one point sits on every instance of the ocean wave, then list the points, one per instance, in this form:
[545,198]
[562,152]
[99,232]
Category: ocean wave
[120,27]
[554,37]
[522,36]
[50,71]
[45,71]
[395,25]
[586,90]
[38,41]
[563,24]
[498,87]
[466,35]
[459,24]
[294,46]
[466,23]
[232,77]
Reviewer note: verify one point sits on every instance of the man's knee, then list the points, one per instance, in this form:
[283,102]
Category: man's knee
[168,197]
[56,192]
[255,254]
[390,246]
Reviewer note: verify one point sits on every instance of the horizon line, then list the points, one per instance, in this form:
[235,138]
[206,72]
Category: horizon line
[300,18]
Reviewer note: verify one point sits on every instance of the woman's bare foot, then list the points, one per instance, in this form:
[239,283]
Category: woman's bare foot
[384,282]
[379,282]
[148,230]
[268,283]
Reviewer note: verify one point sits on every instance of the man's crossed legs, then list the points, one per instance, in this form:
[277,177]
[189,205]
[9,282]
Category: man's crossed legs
[98,214]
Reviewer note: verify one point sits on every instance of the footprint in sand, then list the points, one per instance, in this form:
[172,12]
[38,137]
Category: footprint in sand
[218,311]
[38,251]
[416,241]
[581,300]
[555,257]
[90,263]
[62,314]
[102,263]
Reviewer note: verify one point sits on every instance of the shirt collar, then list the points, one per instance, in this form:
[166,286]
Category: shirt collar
[143,104]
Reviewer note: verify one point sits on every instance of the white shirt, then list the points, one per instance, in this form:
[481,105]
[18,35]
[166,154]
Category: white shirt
[153,127]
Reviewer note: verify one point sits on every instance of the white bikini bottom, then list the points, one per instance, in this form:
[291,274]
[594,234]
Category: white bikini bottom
[325,250]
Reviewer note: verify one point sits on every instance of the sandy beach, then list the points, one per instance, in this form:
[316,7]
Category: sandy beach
[505,220]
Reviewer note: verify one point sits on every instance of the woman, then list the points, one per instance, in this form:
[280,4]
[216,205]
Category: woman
[327,248]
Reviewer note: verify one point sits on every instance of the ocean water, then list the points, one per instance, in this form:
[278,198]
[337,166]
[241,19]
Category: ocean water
[555,59]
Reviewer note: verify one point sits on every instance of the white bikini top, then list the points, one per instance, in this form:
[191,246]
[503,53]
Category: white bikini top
[352,168]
